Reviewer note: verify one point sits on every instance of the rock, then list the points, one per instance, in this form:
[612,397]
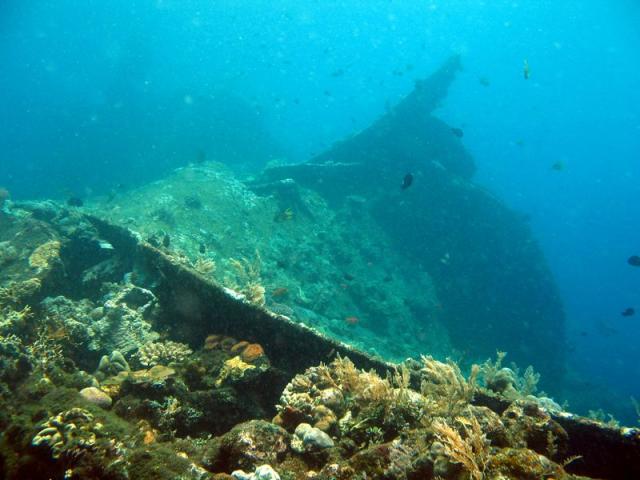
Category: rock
[247,446]
[310,439]
[263,472]
[96,396]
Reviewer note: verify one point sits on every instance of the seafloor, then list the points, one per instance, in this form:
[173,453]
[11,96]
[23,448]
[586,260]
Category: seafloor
[193,328]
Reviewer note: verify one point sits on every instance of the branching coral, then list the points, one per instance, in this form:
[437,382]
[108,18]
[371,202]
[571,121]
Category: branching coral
[13,320]
[205,266]
[508,381]
[162,353]
[248,279]
[470,450]
[45,352]
[369,408]
[445,388]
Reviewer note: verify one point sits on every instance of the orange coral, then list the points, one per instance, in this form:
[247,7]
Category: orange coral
[252,352]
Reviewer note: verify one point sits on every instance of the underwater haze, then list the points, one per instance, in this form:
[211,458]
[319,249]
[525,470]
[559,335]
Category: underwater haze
[97,96]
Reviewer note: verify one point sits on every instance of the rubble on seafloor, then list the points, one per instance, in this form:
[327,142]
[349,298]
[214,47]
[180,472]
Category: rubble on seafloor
[119,359]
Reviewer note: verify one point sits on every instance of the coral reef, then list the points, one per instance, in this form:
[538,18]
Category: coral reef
[196,404]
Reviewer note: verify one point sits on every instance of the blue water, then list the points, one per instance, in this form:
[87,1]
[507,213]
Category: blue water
[95,94]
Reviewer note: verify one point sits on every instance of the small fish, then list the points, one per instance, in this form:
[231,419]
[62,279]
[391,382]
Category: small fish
[351,320]
[337,73]
[284,215]
[202,249]
[558,166]
[484,81]
[526,71]
[348,276]
[407,181]
[75,202]
[279,292]
[634,261]
[628,312]
[457,132]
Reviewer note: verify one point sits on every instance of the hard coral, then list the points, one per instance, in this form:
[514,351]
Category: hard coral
[45,255]
[71,429]
[252,352]
[162,353]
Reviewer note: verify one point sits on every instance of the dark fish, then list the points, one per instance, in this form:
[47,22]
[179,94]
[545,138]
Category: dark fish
[166,240]
[457,132]
[407,181]
[75,202]
[202,248]
[558,166]
[526,71]
[484,81]
[337,73]
[628,312]
[634,261]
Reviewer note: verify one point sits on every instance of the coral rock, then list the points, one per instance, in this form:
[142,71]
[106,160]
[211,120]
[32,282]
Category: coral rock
[96,396]
[308,438]
[263,472]
[247,446]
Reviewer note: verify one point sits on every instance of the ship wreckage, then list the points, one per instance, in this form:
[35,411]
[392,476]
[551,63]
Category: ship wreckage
[123,354]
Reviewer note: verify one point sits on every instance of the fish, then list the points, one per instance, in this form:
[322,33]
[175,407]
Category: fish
[484,81]
[337,73]
[558,166]
[75,202]
[526,71]
[284,215]
[457,132]
[628,312]
[279,292]
[351,320]
[407,181]
[634,261]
